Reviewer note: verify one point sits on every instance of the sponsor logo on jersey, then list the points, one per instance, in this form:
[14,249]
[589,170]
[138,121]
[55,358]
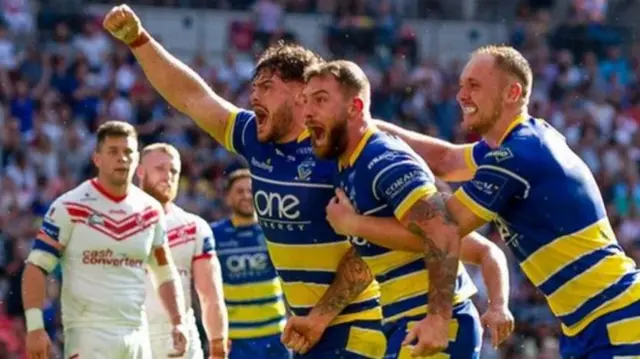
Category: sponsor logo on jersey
[262,165]
[278,211]
[107,258]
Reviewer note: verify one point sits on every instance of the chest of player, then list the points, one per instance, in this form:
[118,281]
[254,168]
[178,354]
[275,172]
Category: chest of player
[243,256]
[120,236]
[290,190]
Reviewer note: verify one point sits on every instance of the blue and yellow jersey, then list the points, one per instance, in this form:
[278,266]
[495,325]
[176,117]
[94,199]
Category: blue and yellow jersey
[550,212]
[252,289]
[384,178]
[291,189]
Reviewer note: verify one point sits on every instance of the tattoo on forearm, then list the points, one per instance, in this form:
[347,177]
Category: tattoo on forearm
[353,276]
[430,220]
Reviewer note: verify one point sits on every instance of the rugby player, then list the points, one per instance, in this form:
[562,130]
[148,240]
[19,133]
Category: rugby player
[384,177]
[545,202]
[252,289]
[290,186]
[192,248]
[104,233]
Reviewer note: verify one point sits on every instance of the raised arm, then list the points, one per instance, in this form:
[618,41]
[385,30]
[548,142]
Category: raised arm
[182,87]
[448,161]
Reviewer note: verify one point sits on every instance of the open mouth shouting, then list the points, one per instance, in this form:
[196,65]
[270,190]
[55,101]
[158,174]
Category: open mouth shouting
[262,116]
[318,133]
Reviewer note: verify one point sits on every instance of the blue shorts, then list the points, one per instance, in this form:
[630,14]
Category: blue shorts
[465,337]
[355,340]
[259,348]
[616,334]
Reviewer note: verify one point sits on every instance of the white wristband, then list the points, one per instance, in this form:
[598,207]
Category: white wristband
[34,319]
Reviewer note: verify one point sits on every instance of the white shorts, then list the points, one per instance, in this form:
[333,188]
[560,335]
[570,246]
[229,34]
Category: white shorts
[162,345]
[107,343]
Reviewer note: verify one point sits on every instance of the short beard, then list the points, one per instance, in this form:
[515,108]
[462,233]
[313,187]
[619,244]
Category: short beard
[160,196]
[282,119]
[337,140]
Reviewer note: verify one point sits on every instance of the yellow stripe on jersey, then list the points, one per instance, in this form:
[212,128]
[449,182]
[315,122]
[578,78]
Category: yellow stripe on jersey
[625,299]
[474,206]
[589,283]
[403,287]
[564,250]
[255,290]
[366,342]
[306,295]
[624,332]
[228,132]
[309,257]
[250,333]
[390,260]
[250,313]
[468,157]
[413,197]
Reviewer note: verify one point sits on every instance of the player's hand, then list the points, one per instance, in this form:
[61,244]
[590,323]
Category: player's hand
[432,335]
[500,322]
[38,344]
[219,348]
[123,24]
[301,334]
[179,336]
[341,213]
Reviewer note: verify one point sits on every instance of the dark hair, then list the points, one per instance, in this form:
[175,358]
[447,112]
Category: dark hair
[234,172]
[288,61]
[114,129]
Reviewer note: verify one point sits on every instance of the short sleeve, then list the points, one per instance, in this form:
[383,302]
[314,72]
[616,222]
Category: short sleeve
[240,132]
[400,181]
[160,230]
[53,237]
[501,177]
[205,245]
[474,154]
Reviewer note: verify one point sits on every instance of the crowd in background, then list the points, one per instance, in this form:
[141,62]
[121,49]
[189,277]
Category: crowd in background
[55,92]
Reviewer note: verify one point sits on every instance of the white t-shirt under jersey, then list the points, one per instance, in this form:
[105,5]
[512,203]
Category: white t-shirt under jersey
[190,239]
[107,243]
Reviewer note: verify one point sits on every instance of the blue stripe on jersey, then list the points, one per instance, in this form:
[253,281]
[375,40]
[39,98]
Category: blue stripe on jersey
[45,247]
[350,309]
[582,264]
[384,178]
[50,229]
[267,300]
[313,277]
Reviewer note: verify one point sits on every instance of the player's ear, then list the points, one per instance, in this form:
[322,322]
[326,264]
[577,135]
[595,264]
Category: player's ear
[357,105]
[95,157]
[514,92]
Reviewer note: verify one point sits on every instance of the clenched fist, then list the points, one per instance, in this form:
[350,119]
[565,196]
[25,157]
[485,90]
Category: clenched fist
[123,24]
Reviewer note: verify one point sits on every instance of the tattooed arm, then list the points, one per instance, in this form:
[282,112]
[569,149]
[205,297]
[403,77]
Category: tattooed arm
[352,278]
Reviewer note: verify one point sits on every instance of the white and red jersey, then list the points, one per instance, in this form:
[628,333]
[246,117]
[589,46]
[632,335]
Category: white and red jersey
[105,243]
[190,239]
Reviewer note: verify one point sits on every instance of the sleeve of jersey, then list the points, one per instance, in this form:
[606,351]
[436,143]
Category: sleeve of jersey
[500,177]
[205,244]
[400,182]
[474,154]
[52,238]
[240,132]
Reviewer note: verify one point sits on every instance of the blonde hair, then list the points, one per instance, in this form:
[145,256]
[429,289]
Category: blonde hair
[160,147]
[513,63]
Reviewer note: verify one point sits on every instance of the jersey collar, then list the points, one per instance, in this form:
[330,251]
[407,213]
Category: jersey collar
[519,120]
[303,136]
[356,153]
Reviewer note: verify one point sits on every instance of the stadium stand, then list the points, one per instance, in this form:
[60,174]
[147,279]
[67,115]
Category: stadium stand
[56,91]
